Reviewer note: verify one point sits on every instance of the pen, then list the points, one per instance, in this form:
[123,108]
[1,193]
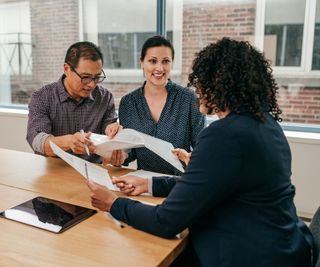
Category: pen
[118,223]
[86,169]
[85,146]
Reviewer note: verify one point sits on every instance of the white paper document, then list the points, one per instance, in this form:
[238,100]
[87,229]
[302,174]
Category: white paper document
[85,168]
[129,138]
[145,174]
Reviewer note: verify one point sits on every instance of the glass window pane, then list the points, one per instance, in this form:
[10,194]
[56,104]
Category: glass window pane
[120,29]
[15,49]
[316,43]
[284,31]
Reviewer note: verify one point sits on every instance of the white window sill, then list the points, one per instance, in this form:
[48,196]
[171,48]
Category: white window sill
[12,112]
[303,137]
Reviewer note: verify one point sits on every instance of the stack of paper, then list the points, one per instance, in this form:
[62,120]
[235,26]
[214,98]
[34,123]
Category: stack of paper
[129,138]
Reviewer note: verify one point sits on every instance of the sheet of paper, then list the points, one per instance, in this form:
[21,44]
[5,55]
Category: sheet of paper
[163,149]
[125,139]
[129,138]
[85,168]
[145,174]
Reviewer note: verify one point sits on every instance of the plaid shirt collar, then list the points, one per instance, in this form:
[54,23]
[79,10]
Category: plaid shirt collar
[64,96]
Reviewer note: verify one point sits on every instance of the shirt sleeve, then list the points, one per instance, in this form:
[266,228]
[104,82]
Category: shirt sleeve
[39,124]
[197,120]
[161,186]
[211,178]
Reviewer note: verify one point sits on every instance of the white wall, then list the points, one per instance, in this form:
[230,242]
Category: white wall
[13,129]
[305,169]
[305,156]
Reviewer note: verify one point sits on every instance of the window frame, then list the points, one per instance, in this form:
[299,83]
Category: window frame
[304,73]
[305,70]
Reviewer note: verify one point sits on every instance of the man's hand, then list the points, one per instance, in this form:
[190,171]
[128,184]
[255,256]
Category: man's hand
[78,141]
[75,142]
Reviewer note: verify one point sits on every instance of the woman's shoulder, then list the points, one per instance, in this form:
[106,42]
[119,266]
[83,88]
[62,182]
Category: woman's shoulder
[185,91]
[131,96]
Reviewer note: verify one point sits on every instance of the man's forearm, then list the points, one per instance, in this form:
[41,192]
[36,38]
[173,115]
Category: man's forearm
[61,141]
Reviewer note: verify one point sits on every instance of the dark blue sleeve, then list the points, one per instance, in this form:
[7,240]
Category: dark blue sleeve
[210,178]
[161,186]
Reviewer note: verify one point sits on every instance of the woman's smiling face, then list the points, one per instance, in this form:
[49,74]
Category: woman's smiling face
[157,65]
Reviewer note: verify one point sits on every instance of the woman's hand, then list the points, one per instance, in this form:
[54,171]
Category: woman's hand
[182,155]
[131,185]
[117,158]
[101,197]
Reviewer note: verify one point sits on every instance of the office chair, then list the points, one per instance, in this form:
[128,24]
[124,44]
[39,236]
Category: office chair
[315,230]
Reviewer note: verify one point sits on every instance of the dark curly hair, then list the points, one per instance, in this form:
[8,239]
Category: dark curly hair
[233,75]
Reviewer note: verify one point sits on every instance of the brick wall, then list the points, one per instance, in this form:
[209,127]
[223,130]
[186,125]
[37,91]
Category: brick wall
[54,27]
[300,104]
[206,23]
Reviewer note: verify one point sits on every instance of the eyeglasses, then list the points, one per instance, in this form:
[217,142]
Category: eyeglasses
[87,79]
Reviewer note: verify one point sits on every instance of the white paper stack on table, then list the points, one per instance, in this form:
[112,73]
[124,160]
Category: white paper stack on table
[129,138]
[85,168]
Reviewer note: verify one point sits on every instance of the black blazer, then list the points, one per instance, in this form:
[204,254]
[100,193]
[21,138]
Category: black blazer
[236,197]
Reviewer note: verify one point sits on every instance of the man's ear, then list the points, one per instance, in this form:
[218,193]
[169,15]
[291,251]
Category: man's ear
[66,68]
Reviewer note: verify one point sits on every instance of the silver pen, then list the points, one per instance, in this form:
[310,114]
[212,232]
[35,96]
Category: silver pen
[85,146]
[86,169]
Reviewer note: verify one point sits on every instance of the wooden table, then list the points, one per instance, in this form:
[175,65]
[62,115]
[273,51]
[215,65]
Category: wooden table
[97,241]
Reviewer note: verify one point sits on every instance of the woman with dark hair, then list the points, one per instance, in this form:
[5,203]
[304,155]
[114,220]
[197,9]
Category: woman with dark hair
[236,196]
[160,107]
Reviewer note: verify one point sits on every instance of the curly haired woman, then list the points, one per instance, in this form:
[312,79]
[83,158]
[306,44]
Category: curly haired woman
[236,196]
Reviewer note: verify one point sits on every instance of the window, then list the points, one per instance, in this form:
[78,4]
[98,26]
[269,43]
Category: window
[316,42]
[284,32]
[15,47]
[119,29]
[290,41]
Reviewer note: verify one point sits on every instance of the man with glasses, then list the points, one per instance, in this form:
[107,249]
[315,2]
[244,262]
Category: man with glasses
[67,111]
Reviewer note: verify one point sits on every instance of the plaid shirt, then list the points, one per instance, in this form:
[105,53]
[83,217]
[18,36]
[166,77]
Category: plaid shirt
[53,112]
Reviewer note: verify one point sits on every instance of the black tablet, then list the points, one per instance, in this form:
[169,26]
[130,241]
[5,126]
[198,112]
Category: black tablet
[48,214]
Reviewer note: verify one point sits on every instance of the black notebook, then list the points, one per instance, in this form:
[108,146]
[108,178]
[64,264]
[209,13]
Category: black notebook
[48,214]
